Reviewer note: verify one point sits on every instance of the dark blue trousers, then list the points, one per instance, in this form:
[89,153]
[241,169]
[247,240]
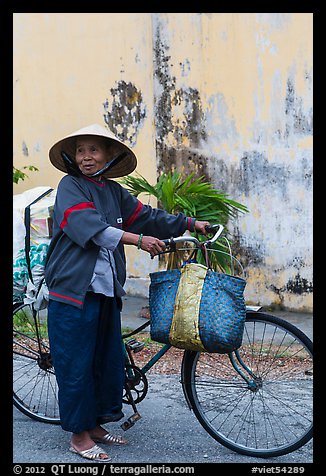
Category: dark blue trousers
[88,359]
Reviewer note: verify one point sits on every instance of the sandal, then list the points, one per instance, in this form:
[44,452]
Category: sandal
[93,453]
[109,439]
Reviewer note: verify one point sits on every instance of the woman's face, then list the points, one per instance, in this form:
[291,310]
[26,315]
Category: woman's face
[91,154]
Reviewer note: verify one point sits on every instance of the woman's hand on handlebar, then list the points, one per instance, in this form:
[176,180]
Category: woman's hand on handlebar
[200,226]
[152,245]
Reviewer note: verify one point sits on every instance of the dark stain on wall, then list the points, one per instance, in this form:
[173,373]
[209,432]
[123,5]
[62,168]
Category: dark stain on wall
[249,255]
[296,285]
[25,149]
[256,175]
[163,104]
[299,121]
[299,285]
[125,111]
[190,124]
[182,160]
[255,172]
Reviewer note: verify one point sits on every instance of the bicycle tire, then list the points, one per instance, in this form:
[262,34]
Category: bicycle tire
[272,417]
[35,391]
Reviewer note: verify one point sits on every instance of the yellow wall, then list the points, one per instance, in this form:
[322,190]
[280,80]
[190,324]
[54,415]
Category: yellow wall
[225,94]
[64,68]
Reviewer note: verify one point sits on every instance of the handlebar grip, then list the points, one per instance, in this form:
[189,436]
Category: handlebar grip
[170,244]
[211,229]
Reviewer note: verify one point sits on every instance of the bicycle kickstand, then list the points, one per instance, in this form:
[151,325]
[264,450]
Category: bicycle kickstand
[133,418]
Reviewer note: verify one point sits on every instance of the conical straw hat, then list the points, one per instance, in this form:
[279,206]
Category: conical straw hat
[68,145]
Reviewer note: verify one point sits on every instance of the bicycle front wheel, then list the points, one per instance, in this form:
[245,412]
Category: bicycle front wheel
[256,401]
[34,384]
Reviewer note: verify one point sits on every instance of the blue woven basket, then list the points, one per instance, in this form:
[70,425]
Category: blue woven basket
[222,310]
[162,292]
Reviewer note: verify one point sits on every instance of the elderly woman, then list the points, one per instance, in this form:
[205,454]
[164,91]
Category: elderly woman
[93,218]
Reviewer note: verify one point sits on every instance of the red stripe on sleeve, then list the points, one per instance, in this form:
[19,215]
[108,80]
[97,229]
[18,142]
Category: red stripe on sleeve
[134,216]
[80,206]
[66,297]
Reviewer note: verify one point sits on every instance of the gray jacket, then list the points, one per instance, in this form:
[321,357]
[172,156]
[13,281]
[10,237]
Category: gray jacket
[83,208]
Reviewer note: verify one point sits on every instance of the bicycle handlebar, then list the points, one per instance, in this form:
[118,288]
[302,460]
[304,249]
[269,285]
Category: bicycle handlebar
[217,229]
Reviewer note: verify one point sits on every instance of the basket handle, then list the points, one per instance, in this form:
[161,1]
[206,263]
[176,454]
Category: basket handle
[204,251]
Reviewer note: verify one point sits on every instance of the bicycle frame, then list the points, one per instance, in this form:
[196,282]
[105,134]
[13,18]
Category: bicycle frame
[234,357]
[158,354]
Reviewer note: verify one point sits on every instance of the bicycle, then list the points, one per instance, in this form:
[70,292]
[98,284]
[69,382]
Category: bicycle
[256,401]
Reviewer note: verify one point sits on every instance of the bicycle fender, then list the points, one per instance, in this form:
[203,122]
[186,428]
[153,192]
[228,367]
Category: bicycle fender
[186,376]
[253,308]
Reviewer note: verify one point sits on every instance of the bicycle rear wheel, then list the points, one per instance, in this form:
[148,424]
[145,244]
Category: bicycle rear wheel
[34,384]
[267,412]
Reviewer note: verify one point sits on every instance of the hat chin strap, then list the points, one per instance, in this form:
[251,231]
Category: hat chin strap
[72,167]
[109,165]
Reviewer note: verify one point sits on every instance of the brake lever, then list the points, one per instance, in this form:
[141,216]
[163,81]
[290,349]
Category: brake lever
[171,244]
[211,228]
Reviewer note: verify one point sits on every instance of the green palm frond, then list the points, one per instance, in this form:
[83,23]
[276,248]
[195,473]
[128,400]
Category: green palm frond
[193,197]
[138,185]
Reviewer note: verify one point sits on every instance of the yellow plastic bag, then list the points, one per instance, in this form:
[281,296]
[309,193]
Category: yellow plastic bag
[184,331]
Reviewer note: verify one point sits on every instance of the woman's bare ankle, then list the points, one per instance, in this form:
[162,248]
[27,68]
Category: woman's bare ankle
[82,441]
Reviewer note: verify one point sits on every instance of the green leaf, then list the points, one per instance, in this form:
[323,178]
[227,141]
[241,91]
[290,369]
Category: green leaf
[18,174]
